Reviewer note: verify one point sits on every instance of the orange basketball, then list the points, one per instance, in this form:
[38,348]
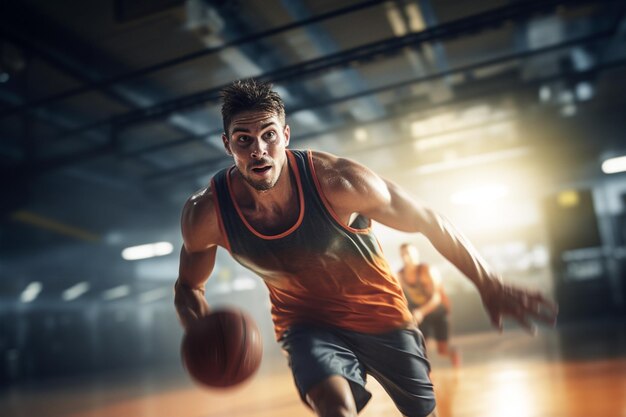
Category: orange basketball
[222,349]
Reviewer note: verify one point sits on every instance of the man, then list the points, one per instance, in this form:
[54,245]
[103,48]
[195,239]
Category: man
[301,221]
[427,300]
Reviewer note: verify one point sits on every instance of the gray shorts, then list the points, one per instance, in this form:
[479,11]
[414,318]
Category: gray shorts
[396,359]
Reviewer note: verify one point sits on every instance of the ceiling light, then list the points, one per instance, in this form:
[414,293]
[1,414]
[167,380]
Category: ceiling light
[75,291]
[614,165]
[568,198]
[116,292]
[360,134]
[149,250]
[31,292]
[584,91]
[154,295]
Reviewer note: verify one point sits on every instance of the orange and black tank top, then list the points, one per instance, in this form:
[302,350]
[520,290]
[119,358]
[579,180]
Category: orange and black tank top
[318,271]
[422,290]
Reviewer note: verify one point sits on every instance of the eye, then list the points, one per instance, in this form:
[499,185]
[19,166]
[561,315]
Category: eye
[271,135]
[243,139]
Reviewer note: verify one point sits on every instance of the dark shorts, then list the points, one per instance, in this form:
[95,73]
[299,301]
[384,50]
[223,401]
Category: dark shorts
[396,359]
[436,325]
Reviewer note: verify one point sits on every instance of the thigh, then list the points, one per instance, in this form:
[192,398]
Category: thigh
[398,361]
[316,354]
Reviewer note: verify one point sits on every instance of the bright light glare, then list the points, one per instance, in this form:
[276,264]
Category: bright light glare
[116,292]
[361,135]
[31,292]
[149,250]
[243,284]
[511,396]
[479,195]
[614,165]
[75,291]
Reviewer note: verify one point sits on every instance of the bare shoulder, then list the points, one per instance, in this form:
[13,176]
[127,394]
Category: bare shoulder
[343,177]
[199,221]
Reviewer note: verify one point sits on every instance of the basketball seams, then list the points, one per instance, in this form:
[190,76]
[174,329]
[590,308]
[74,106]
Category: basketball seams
[242,347]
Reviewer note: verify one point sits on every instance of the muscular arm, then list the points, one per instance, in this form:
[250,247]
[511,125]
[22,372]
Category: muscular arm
[201,235]
[353,188]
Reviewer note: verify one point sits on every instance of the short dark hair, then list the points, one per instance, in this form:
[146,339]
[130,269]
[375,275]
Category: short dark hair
[250,95]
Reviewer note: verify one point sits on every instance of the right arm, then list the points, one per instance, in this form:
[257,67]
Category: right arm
[201,236]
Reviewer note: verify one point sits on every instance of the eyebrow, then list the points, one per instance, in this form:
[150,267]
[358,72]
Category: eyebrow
[244,130]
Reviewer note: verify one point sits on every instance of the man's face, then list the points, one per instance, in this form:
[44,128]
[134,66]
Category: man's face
[257,141]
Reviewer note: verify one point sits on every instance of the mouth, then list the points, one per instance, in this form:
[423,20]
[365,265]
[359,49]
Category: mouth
[262,169]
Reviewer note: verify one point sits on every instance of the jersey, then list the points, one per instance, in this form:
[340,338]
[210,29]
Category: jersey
[319,270]
[423,289]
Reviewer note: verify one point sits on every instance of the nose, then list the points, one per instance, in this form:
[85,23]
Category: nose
[259,149]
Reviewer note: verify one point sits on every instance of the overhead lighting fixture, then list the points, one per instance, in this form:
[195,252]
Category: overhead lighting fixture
[568,198]
[614,165]
[116,292]
[568,110]
[146,251]
[154,295]
[75,291]
[480,195]
[545,93]
[31,292]
[361,135]
[584,91]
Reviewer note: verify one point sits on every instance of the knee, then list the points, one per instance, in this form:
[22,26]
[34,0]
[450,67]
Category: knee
[332,398]
[425,408]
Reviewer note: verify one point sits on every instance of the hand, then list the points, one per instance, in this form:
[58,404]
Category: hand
[502,300]
[418,316]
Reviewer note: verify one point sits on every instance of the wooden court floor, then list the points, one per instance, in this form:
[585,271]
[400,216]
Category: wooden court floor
[570,372]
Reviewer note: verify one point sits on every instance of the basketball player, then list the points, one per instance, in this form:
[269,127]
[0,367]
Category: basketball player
[301,220]
[428,301]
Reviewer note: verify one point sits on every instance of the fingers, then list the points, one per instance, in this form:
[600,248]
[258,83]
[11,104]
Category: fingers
[542,309]
[496,319]
[522,306]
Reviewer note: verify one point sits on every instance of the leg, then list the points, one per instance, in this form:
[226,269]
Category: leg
[329,377]
[332,398]
[441,330]
[444,349]
[432,414]
[397,360]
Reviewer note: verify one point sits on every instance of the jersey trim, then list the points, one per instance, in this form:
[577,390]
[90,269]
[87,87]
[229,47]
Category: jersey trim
[294,166]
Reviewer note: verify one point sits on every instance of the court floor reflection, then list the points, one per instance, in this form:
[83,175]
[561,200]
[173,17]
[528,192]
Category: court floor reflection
[569,372]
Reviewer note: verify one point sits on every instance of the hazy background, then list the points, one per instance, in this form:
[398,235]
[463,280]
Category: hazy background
[499,114]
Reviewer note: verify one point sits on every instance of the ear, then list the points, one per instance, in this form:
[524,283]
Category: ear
[287,133]
[226,144]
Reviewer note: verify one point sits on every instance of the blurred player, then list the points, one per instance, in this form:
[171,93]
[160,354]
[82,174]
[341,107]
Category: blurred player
[427,300]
